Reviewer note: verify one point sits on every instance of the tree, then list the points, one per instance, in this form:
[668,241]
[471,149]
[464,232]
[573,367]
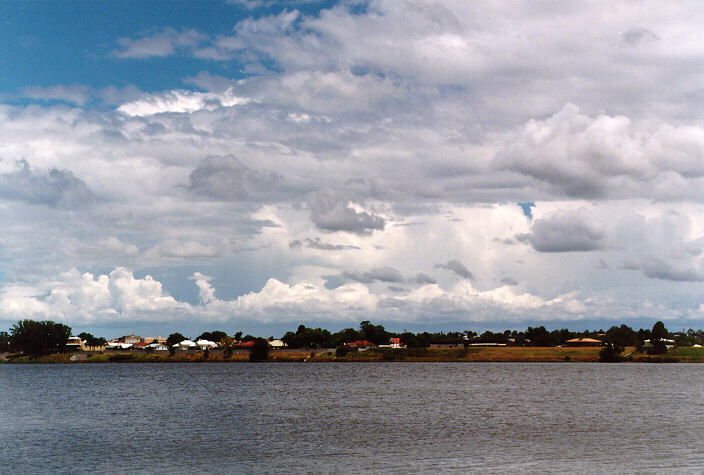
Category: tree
[226,343]
[36,338]
[4,341]
[174,339]
[374,333]
[212,336]
[657,339]
[260,350]
[90,340]
[611,353]
[238,335]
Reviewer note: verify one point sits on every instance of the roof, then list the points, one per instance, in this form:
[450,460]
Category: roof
[244,344]
[583,340]
[361,343]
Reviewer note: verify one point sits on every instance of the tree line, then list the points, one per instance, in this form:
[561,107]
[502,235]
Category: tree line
[41,337]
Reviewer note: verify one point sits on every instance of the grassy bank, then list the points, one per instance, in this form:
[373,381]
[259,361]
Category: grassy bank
[477,354]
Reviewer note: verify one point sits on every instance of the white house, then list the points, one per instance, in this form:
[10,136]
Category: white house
[203,344]
[186,345]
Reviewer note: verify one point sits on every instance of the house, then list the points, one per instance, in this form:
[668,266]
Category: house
[206,344]
[276,344]
[142,345]
[446,344]
[668,343]
[130,339]
[157,347]
[361,344]
[583,342]
[74,343]
[396,342]
[243,345]
[186,345]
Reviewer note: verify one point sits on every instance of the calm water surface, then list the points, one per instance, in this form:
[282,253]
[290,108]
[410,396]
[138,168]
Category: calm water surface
[351,417]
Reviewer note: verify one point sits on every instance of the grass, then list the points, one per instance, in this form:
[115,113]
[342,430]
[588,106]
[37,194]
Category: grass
[474,354]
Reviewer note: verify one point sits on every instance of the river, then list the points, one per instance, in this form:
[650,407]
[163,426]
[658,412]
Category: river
[351,417]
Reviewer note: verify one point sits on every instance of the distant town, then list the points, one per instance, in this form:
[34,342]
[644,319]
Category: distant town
[30,340]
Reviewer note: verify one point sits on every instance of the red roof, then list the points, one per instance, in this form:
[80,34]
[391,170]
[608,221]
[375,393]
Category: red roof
[395,341]
[360,343]
[141,344]
[244,344]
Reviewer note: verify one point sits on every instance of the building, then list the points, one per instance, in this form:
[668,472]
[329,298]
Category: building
[361,344]
[74,343]
[446,344]
[276,344]
[583,342]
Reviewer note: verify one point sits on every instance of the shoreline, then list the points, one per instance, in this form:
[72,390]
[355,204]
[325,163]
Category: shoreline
[477,355]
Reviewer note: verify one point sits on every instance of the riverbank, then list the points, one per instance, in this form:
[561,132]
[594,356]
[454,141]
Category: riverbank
[477,354]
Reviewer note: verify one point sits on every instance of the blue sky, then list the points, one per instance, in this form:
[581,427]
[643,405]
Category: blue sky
[426,165]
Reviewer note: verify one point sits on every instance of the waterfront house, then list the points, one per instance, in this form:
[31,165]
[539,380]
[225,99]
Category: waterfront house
[447,344]
[74,343]
[186,345]
[203,344]
[361,344]
[583,342]
[276,344]
[243,345]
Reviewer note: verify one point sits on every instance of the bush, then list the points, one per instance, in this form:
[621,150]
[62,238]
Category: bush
[610,353]
[120,358]
[260,350]
[341,351]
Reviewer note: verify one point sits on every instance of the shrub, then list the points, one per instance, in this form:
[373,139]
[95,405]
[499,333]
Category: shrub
[341,351]
[260,350]
[610,353]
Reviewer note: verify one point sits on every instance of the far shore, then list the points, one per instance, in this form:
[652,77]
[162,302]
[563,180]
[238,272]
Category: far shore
[478,354]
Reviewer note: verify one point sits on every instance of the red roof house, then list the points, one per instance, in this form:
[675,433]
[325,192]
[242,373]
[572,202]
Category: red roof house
[361,344]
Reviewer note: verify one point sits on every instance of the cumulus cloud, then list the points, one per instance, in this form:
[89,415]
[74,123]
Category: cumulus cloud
[567,231]
[76,296]
[56,188]
[180,101]
[457,267]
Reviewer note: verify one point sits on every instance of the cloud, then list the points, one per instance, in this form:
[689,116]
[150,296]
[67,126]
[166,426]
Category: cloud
[318,244]
[74,94]
[657,268]
[567,231]
[422,278]
[55,188]
[638,35]
[457,267]
[180,101]
[380,274]
[332,214]
[163,43]
[82,297]
[226,178]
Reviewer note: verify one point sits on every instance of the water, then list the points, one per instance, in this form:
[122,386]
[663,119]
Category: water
[366,417]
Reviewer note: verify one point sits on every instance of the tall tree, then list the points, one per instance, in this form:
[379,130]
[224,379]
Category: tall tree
[36,338]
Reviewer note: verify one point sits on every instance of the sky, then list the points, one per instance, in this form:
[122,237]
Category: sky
[253,165]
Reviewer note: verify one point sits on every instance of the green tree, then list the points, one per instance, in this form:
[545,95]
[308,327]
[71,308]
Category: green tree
[92,340]
[611,353]
[36,338]
[226,344]
[174,339]
[4,341]
[374,333]
[260,350]
[657,339]
[238,335]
